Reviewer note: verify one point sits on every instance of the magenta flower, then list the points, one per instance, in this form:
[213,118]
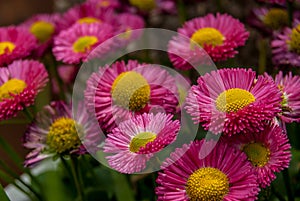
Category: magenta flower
[268,151]
[88,13]
[133,142]
[117,92]
[43,27]
[232,101]
[289,86]
[191,174]
[20,83]
[127,24]
[218,35]
[56,132]
[15,43]
[75,44]
[286,47]
[269,19]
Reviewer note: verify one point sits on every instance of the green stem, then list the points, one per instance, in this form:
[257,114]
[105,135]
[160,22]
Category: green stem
[28,114]
[66,166]
[277,194]
[290,9]
[11,152]
[50,62]
[285,174]
[14,121]
[262,61]
[3,195]
[17,177]
[75,173]
[181,11]
[10,180]
[287,183]
[17,159]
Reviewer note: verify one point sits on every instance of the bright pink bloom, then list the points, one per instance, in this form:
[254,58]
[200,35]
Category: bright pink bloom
[232,101]
[15,43]
[218,35]
[225,174]
[117,92]
[268,151]
[20,83]
[75,44]
[133,142]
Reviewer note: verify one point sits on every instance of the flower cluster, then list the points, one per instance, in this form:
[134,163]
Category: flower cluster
[132,113]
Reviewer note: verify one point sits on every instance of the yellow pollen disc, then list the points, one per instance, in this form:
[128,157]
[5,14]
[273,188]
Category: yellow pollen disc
[232,100]
[257,154]
[127,34]
[6,47]
[140,140]
[42,30]
[294,42]
[84,44]
[130,90]
[144,5]
[12,86]
[207,36]
[88,20]
[104,4]
[207,184]
[276,18]
[63,135]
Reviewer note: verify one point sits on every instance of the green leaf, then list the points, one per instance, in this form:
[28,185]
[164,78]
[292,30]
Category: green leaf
[122,188]
[3,196]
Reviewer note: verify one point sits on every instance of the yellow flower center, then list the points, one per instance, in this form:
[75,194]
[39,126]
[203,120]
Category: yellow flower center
[131,90]
[6,47]
[88,20]
[12,86]
[84,44]
[140,140]
[207,36]
[294,42]
[42,30]
[207,183]
[144,5]
[127,34]
[104,4]
[63,135]
[276,18]
[257,154]
[232,100]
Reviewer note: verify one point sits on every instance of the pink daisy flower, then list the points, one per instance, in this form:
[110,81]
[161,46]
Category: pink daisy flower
[43,27]
[20,83]
[286,47]
[218,35]
[281,2]
[56,132]
[117,92]
[133,142]
[289,86]
[168,6]
[269,19]
[232,101]
[74,44]
[15,43]
[224,174]
[86,13]
[127,23]
[105,3]
[268,151]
